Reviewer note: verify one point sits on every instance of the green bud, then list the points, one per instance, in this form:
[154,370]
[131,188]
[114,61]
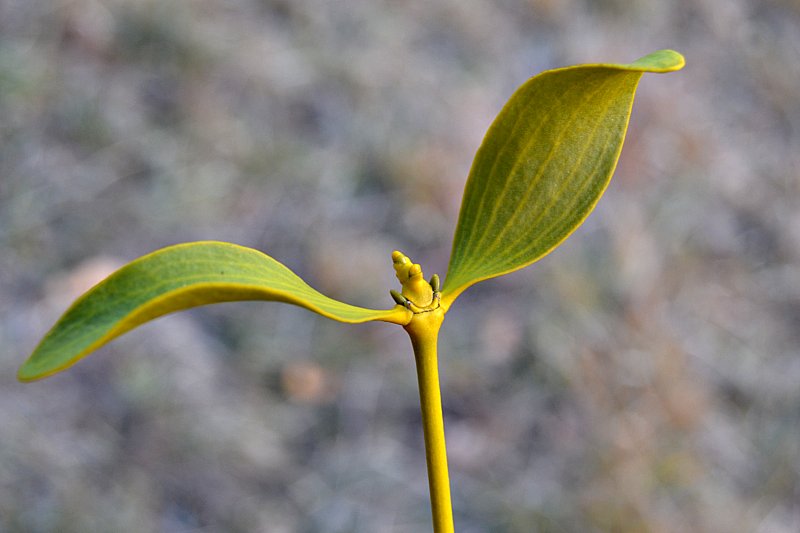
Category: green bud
[399,258]
[398,298]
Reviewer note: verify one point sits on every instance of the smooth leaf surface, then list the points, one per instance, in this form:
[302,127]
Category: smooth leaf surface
[175,278]
[542,167]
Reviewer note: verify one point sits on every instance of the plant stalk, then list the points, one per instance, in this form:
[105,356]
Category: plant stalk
[424,341]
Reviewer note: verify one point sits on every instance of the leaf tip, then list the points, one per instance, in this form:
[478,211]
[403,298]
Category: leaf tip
[660,61]
[26,374]
[37,367]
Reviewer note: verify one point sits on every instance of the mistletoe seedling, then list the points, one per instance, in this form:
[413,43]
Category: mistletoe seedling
[539,172]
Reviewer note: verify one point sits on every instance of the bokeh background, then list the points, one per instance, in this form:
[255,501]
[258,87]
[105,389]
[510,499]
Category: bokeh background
[645,377]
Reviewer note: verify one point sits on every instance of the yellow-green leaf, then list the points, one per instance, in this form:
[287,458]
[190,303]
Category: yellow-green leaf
[176,278]
[542,167]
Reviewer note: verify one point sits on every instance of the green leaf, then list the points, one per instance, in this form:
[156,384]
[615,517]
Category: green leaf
[542,167]
[175,278]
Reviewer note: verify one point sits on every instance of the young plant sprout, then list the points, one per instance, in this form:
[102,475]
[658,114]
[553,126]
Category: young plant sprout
[539,172]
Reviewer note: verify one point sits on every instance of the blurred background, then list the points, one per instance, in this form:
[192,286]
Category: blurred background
[645,377]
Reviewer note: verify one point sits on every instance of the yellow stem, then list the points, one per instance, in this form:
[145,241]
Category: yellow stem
[424,334]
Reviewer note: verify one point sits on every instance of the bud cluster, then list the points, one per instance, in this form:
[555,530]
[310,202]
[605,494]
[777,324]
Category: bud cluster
[417,294]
